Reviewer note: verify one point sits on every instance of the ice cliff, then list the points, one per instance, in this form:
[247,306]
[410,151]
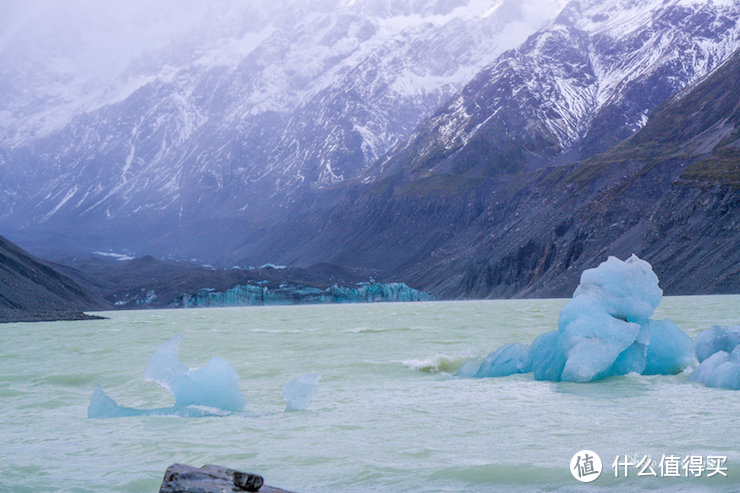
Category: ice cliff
[604,330]
[284,294]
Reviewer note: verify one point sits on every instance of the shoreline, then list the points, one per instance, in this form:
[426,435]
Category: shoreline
[15,316]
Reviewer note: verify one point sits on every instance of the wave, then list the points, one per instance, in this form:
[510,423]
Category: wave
[279,331]
[440,363]
[371,330]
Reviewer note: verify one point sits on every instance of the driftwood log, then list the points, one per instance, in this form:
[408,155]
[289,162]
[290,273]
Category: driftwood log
[181,478]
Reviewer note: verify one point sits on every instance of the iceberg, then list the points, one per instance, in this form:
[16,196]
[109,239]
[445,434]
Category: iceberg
[209,391]
[718,350]
[605,330]
[299,392]
[102,406]
[716,338]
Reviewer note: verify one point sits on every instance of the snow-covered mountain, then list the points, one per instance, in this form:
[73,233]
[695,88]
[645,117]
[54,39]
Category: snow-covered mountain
[574,89]
[205,123]
[229,110]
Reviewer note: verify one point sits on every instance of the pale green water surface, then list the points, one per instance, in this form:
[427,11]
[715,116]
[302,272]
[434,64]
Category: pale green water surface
[388,415]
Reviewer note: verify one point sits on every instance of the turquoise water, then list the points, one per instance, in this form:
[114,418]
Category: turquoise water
[387,414]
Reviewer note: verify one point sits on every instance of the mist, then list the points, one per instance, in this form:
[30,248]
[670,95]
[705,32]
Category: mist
[58,59]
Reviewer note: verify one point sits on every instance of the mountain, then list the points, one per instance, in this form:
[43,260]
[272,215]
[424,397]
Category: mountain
[574,89]
[32,289]
[670,194]
[404,138]
[228,123]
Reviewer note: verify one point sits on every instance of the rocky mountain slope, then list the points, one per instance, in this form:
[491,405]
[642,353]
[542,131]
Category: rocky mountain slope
[402,138]
[670,194]
[31,289]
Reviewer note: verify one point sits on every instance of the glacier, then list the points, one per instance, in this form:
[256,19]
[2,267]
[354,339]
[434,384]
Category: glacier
[299,392]
[604,330]
[209,391]
[285,294]
[718,351]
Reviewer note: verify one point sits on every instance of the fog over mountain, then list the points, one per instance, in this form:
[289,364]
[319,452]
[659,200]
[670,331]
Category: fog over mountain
[121,122]
[63,58]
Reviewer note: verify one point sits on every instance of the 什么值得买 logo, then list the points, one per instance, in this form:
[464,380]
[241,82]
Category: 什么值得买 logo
[585,466]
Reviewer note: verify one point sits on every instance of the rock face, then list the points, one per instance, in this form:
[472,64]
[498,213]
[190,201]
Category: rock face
[402,139]
[670,194]
[180,478]
[33,290]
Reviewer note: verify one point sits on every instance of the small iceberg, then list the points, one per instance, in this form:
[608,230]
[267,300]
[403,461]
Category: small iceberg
[209,391]
[299,392]
[605,330]
[714,339]
[718,351]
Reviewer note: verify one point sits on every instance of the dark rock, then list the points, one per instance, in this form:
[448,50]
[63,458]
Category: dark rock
[32,289]
[181,478]
[9,316]
[670,194]
[248,481]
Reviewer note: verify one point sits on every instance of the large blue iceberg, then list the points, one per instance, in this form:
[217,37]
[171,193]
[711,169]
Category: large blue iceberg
[208,391]
[604,330]
[718,350]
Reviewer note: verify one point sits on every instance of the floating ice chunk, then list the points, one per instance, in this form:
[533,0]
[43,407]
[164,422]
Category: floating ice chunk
[591,343]
[164,366]
[214,385]
[102,406]
[669,351]
[299,392]
[211,390]
[604,330]
[506,360]
[722,369]
[469,368]
[625,290]
[547,360]
[718,349]
[716,338]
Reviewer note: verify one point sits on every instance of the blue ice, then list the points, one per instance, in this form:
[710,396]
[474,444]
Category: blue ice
[718,350]
[299,392]
[716,338]
[604,330]
[103,406]
[211,390]
[506,360]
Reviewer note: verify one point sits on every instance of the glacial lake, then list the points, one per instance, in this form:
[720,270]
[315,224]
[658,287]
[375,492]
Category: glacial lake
[388,415]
